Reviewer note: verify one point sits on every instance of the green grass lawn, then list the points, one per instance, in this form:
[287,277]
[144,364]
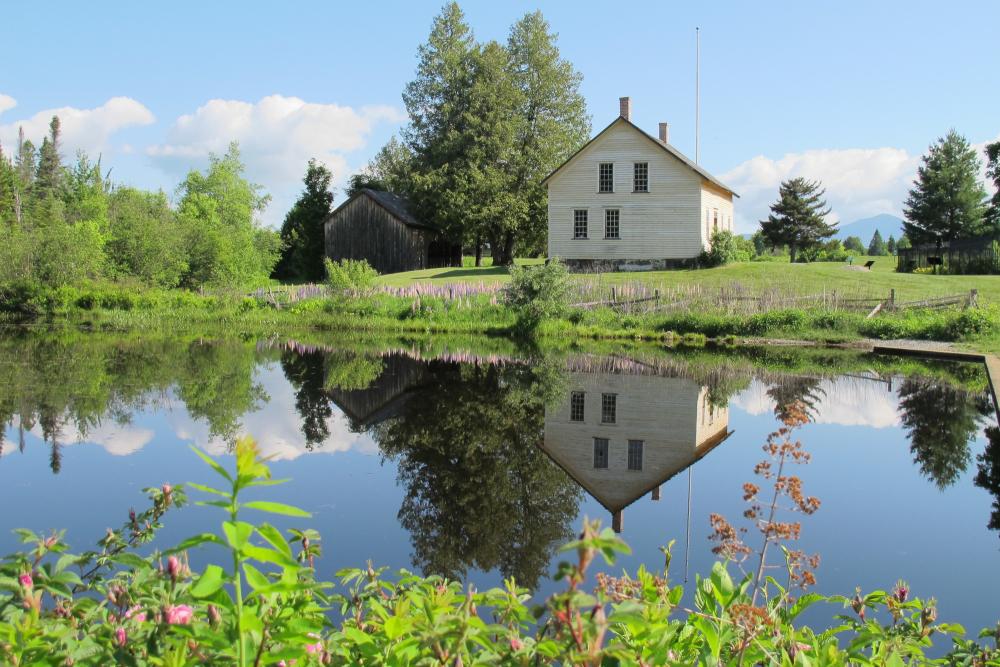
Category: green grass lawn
[800,278]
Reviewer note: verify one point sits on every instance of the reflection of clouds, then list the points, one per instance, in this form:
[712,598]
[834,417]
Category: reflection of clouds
[845,401]
[116,439]
[277,426]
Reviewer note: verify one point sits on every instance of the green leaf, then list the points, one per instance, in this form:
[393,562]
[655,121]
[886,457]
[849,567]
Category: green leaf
[395,626]
[265,555]
[212,463]
[255,577]
[275,538]
[237,533]
[208,489]
[276,508]
[132,560]
[195,541]
[209,582]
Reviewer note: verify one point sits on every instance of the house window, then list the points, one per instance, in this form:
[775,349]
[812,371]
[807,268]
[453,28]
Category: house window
[611,227]
[640,177]
[606,177]
[715,219]
[708,229]
[580,223]
[600,452]
[609,408]
[635,454]
[576,403]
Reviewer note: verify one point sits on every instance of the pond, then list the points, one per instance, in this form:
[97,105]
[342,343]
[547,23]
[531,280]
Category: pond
[479,459]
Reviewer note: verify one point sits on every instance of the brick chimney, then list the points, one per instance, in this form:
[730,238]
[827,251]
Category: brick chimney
[625,108]
[664,133]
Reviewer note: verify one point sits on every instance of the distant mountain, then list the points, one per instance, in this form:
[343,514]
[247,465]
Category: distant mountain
[865,229]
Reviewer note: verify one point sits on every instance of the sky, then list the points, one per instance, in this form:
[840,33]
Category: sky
[850,93]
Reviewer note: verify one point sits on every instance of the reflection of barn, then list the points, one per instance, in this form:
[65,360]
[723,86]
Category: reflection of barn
[621,436]
[385,397]
[379,228]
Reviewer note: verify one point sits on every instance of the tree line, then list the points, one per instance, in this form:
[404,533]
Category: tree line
[948,201]
[66,223]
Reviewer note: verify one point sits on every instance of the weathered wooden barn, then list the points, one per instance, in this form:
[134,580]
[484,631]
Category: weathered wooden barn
[379,227]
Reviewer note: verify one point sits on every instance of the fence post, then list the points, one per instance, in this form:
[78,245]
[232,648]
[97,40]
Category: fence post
[613,296]
[892,299]
[973,298]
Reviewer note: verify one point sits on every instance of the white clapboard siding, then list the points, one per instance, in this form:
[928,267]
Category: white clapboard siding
[672,416]
[664,223]
[713,200]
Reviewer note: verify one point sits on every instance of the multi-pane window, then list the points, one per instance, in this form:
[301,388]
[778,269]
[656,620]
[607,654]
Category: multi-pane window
[606,177]
[611,226]
[609,408]
[600,452]
[715,219]
[576,403]
[640,177]
[635,454]
[580,223]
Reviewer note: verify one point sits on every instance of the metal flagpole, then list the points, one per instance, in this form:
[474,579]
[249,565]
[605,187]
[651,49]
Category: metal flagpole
[687,538]
[697,95]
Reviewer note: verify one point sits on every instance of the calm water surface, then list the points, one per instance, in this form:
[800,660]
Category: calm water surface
[447,460]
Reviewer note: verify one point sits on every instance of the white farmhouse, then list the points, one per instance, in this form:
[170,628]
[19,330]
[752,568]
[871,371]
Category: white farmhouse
[628,201]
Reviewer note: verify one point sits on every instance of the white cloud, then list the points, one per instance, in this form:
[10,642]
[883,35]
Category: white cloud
[845,401]
[277,136]
[82,129]
[7,103]
[116,439]
[859,182]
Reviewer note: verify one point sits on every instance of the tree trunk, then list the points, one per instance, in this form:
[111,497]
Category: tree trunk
[508,249]
[791,251]
[479,250]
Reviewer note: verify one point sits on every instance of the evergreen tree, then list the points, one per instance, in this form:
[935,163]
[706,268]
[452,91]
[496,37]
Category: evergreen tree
[903,243]
[890,245]
[437,104]
[49,177]
[993,172]
[876,246]
[8,191]
[798,218]
[553,124]
[302,236]
[854,244]
[947,200]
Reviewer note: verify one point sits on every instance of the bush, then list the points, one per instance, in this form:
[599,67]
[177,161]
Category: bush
[536,293]
[350,276]
[724,248]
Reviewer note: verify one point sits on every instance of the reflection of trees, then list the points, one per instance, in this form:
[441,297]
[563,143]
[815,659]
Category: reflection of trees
[988,475]
[792,391]
[941,421]
[58,383]
[305,373]
[480,493]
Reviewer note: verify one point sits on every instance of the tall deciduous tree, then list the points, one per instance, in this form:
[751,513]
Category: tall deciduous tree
[390,170]
[854,244]
[890,245]
[798,218]
[947,200]
[302,231]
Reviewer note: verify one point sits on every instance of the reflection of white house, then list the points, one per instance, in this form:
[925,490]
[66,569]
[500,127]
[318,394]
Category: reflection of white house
[621,436]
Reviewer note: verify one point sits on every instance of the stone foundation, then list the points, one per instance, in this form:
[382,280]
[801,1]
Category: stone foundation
[626,265]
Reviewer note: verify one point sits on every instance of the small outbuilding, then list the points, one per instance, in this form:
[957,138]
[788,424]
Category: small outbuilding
[379,227]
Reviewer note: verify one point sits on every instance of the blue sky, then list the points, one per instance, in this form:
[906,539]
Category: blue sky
[848,92]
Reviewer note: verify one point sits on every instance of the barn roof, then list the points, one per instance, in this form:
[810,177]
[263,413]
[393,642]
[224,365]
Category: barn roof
[395,205]
[667,147]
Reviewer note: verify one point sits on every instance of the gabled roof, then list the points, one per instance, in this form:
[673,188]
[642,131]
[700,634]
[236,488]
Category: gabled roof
[395,205]
[666,147]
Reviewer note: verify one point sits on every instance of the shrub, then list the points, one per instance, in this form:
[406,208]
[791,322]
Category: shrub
[724,248]
[350,276]
[536,293]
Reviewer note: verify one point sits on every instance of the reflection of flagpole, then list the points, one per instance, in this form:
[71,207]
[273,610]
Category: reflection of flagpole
[687,539]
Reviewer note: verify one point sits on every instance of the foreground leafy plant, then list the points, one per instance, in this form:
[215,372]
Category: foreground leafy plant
[265,607]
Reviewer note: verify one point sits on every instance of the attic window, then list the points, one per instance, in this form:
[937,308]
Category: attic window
[606,177]
[600,452]
[640,177]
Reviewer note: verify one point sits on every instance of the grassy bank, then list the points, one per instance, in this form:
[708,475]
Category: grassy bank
[113,307]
